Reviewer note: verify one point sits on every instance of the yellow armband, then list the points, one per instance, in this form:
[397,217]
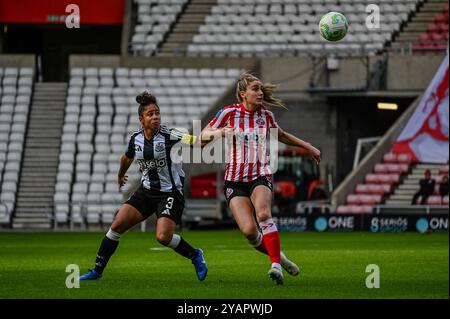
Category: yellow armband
[188,139]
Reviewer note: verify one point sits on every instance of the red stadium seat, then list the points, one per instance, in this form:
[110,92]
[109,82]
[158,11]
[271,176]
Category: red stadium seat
[445,200]
[354,209]
[374,189]
[441,18]
[418,45]
[404,159]
[380,189]
[443,27]
[391,168]
[382,178]
[362,189]
[353,199]
[438,178]
[381,168]
[204,186]
[370,199]
[433,28]
[443,169]
[434,200]
[441,45]
[437,37]
[390,158]
[425,37]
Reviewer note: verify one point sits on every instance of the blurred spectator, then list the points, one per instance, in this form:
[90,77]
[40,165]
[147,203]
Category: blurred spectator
[426,188]
[443,187]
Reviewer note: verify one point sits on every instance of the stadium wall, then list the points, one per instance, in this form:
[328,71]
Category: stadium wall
[412,72]
[17,60]
[404,72]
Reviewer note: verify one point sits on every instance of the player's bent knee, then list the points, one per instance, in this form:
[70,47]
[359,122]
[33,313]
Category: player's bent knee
[263,215]
[250,233]
[164,238]
[118,227]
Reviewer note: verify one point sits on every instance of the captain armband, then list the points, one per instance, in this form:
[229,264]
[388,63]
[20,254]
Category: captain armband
[188,139]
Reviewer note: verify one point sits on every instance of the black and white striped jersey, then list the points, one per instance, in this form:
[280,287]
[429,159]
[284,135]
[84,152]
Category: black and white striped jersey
[153,156]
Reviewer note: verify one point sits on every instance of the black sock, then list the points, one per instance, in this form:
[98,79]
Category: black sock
[107,248]
[184,249]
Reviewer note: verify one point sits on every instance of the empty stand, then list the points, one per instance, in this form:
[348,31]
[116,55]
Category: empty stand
[16,86]
[40,159]
[155,18]
[378,185]
[187,25]
[286,28]
[428,29]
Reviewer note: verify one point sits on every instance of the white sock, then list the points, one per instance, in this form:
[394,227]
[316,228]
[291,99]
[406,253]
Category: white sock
[111,234]
[268,226]
[174,241]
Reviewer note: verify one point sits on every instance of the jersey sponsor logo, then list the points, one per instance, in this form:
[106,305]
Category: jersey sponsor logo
[250,136]
[152,164]
[229,192]
[159,147]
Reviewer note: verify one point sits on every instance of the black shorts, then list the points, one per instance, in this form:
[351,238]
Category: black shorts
[233,189]
[164,204]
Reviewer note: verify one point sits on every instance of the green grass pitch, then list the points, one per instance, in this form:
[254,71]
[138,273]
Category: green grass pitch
[333,265]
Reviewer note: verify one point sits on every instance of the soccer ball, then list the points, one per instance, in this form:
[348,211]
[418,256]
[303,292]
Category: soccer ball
[333,26]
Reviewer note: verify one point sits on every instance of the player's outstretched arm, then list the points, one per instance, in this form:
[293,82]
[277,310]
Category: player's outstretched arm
[209,134]
[289,139]
[125,163]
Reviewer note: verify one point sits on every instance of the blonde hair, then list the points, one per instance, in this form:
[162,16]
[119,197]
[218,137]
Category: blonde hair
[268,88]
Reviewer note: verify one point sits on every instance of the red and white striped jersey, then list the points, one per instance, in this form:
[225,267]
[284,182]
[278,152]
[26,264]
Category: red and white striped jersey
[247,152]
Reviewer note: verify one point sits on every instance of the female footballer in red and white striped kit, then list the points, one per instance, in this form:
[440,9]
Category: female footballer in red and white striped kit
[248,127]
[248,159]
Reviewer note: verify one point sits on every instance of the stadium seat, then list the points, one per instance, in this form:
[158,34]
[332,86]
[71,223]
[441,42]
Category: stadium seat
[391,168]
[445,200]
[375,189]
[444,169]
[382,178]
[434,200]
[354,209]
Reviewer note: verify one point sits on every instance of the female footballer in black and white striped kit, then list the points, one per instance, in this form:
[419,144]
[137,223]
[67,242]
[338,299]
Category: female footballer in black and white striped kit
[160,192]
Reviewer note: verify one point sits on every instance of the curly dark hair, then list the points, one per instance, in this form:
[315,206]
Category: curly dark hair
[144,99]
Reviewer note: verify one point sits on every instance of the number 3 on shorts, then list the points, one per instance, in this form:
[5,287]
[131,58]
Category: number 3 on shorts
[169,202]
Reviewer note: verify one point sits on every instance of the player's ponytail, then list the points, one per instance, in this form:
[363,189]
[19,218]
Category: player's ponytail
[144,99]
[268,88]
